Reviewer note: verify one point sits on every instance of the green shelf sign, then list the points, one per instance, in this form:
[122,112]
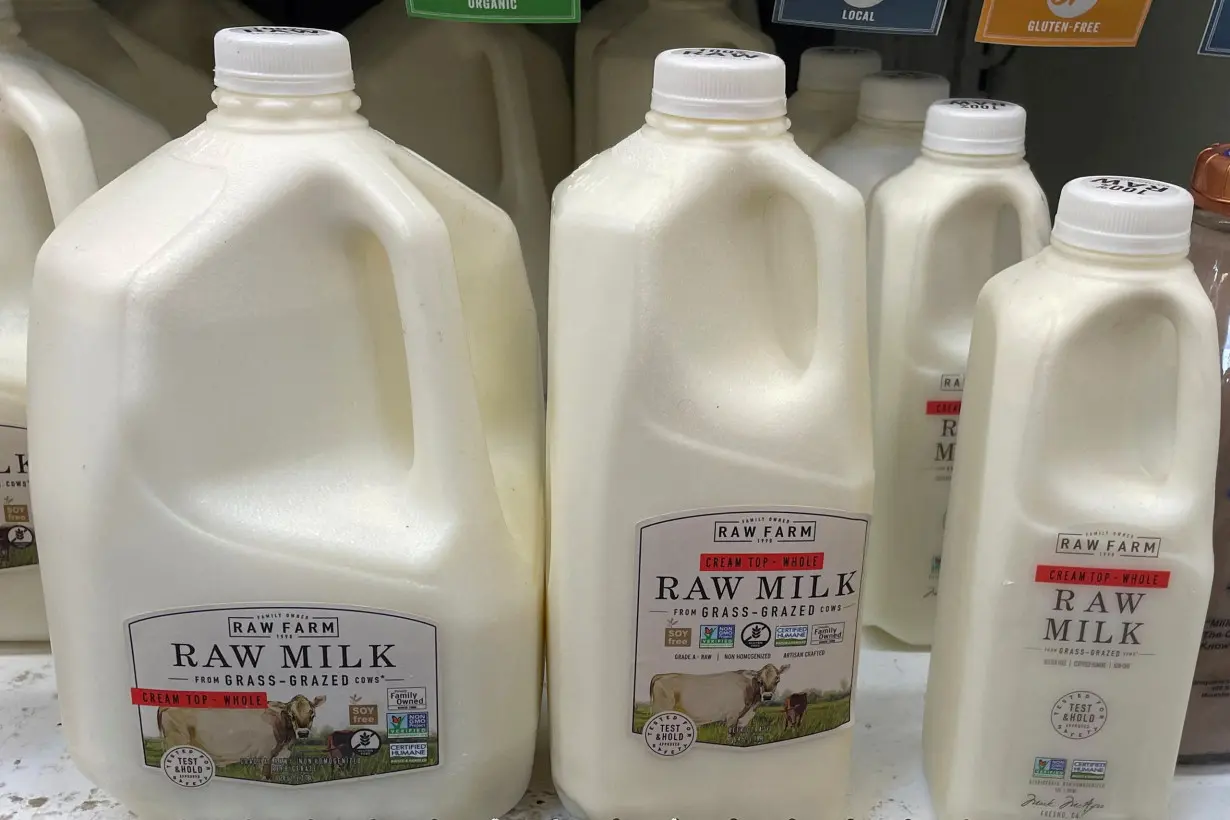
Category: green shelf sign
[498,11]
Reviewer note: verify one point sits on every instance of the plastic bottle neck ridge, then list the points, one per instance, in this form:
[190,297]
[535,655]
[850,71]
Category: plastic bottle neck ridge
[269,112]
[687,127]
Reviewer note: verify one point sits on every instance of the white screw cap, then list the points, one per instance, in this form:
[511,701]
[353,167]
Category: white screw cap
[719,84]
[900,96]
[836,69]
[278,61]
[975,127]
[1124,215]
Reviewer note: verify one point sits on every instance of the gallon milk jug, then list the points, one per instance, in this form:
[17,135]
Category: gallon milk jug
[966,209]
[60,135]
[710,455]
[1078,552]
[595,27]
[892,109]
[487,103]
[79,34]
[183,28]
[286,389]
[826,103]
[624,62]
[1206,733]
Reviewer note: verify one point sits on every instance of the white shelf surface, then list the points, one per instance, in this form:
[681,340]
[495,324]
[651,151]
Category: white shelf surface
[39,782]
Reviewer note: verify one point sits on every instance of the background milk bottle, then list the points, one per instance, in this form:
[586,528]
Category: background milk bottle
[286,384]
[966,209]
[79,34]
[1078,556]
[892,109]
[596,25]
[1206,733]
[487,103]
[624,62]
[60,135]
[184,28]
[710,490]
[826,103]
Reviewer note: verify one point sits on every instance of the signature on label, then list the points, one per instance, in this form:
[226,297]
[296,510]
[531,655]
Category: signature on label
[1079,808]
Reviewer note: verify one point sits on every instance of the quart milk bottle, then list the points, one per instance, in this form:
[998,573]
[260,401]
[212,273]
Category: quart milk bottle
[596,25]
[1206,733]
[710,453]
[487,103]
[285,422]
[892,110]
[79,34]
[183,28]
[624,62]
[1078,554]
[826,102]
[60,135]
[966,209]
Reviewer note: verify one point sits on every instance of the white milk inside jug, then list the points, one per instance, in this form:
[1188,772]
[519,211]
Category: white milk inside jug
[184,28]
[597,24]
[60,135]
[1078,553]
[710,490]
[887,136]
[826,102]
[487,103]
[623,63]
[966,209]
[79,34]
[299,399]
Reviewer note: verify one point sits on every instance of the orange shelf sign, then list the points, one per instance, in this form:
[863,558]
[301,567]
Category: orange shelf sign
[1088,23]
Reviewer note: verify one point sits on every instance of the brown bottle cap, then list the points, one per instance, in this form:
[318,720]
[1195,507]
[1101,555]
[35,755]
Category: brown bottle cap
[1211,179]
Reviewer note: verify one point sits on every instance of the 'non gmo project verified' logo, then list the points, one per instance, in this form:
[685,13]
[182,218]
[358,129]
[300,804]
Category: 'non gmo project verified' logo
[1050,767]
[717,636]
[406,724]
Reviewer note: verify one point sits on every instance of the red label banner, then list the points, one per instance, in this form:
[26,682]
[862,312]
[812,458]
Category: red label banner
[1095,577]
[760,561]
[944,408]
[199,700]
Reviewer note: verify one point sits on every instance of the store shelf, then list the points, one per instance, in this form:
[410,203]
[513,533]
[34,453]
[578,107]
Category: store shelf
[39,782]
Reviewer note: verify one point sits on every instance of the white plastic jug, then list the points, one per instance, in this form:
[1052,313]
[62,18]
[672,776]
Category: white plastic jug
[60,135]
[710,457]
[79,34]
[892,110]
[1078,554]
[968,208]
[184,28]
[285,418]
[623,62]
[596,25]
[487,103]
[825,105]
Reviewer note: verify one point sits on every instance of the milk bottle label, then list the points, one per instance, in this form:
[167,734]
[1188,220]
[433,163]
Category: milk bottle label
[1062,22]
[943,414]
[747,623]
[498,11]
[884,16]
[18,547]
[284,694]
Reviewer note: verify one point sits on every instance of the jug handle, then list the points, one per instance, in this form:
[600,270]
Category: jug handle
[512,97]
[443,395]
[839,230]
[57,134]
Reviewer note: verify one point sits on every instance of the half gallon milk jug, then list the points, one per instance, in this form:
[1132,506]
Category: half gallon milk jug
[624,62]
[1206,733]
[79,34]
[892,110]
[710,455]
[183,28]
[292,475]
[60,135]
[487,103]
[826,103]
[595,27]
[1078,554]
[966,209]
